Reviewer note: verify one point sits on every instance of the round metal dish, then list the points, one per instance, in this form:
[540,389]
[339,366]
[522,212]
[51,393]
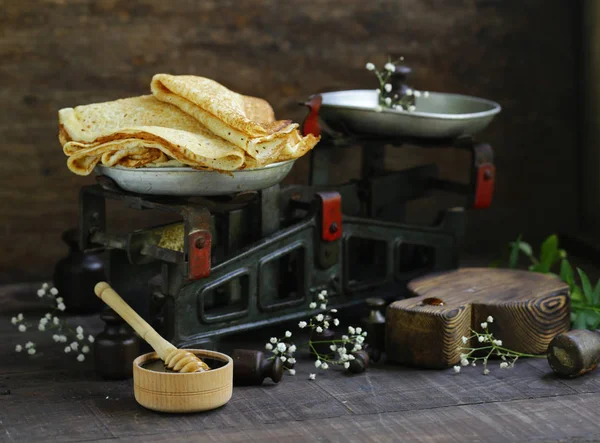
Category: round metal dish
[191,182]
[439,115]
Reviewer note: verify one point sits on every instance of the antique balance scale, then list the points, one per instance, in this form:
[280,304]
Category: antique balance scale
[247,252]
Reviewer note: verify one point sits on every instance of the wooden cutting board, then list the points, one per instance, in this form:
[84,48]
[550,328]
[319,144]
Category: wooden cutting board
[528,308]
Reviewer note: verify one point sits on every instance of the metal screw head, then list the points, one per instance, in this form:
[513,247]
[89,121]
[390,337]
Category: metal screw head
[333,228]
[487,175]
[200,243]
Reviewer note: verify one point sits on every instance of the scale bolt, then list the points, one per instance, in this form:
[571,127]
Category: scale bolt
[333,228]
[200,242]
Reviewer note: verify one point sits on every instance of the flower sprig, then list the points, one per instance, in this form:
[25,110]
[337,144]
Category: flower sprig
[280,347]
[79,344]
[327,352]
[491,347]
[402,100]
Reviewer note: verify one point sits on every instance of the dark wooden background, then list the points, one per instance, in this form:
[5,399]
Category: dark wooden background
[58,53]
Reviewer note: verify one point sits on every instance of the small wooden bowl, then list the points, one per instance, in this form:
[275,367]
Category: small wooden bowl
[183,392]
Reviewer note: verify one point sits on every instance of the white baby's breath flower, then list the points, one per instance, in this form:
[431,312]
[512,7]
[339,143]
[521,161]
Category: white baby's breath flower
[302,324]
[498,342]
[312,376]
[473,364]
[323,306]
[333,347]
[486,371]
[67,349]
[53,291]
[312,305]
[56,338]
[409,91]
[20,316]
[80,358]
[43,321]
[45,286]
[323,292]
[358,330]
[63,338]
[356,348]
[74,345]
[481,339]
[336,322]
[48,316]
[342,350]
[18,348]
[41,327]
[370,66]
[464,362]
[490,319]
[41,293]
[31,351]
[61,307]
[351,357]
[22,328]
[56,321]
[321,296]
[288,334]
[80,337]
[273,340]
[325,324]
[417,93]
[344,357]
[390,67]
[292,371]
[292,349]
[324,366]
[412,108]
[484,325]
[14,320]
[346,364]
[292,360]
[387,87]
[351,330]
[59,300]
[269,347]
[319,329]
[360,339]
[426,94]
[378,109]
[344,337]
[333,311]
[91,338]
[504,365]
[318,363]
[388,101]
[79,330]
[29,344]
[281,347]
[457,369]
[283,358]
[320,317]
[399,107]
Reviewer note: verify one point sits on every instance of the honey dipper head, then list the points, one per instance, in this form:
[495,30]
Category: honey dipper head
[180,360]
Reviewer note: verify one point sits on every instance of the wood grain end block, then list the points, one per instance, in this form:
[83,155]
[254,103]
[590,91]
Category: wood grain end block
[426,330]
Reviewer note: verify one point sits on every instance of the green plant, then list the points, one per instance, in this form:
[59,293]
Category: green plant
[585,298]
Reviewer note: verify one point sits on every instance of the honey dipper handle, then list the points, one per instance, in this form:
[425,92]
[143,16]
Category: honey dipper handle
[109,296]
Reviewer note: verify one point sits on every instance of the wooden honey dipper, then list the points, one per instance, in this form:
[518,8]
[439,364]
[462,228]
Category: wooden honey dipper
[178,360]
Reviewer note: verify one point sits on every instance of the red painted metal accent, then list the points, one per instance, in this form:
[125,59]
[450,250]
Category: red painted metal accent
[484,188]
[331,215]
[310,125]
[199,252]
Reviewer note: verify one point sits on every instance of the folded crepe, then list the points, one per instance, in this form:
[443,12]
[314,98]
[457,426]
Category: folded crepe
[187,121]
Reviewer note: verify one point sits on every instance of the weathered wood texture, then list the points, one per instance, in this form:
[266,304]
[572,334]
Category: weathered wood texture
[51,397]
[57,53]
[528,309]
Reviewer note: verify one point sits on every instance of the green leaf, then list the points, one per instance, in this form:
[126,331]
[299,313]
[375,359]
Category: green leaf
[513,259]
[549,252]
[594,321]
[566,272]
[596,294]
[580,321]
[576,294]
[525,248]
[588,293]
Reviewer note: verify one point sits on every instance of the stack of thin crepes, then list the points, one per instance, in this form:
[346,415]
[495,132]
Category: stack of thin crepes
[188,120]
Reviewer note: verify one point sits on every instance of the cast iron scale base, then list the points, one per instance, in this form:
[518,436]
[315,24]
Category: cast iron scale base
[259,258]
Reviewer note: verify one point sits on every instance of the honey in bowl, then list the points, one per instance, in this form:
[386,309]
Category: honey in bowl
[157,365]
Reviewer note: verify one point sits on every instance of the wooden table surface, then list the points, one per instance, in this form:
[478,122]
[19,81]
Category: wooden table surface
[51,397]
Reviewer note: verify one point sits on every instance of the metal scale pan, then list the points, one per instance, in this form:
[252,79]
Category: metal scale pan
[440,115]
[185,181]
